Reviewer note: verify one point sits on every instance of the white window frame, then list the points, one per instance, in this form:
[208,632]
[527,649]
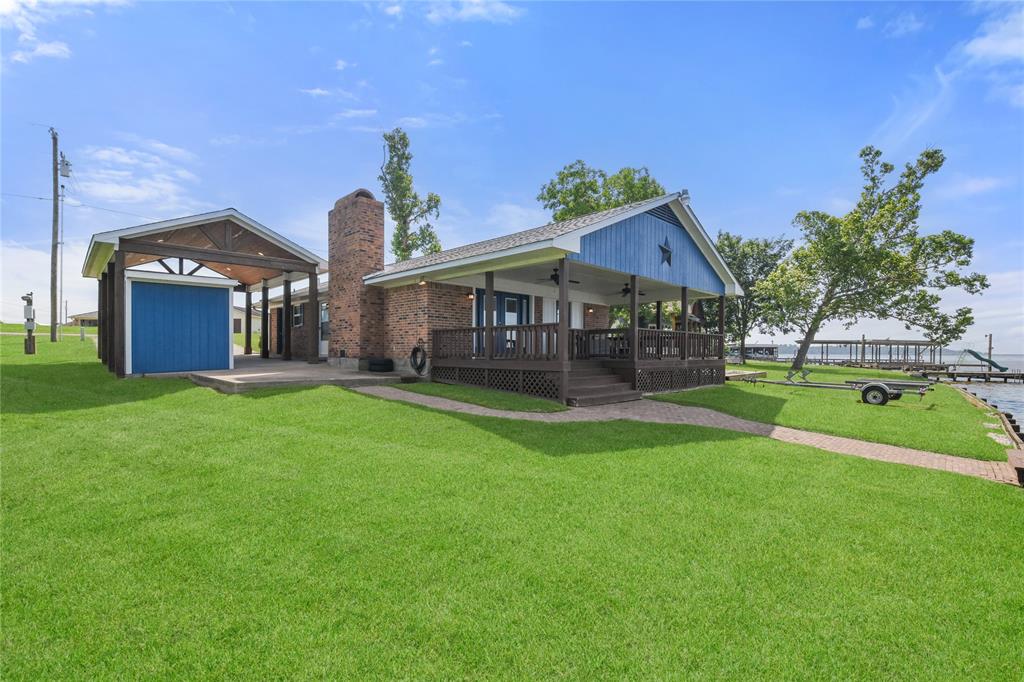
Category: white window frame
[298,313]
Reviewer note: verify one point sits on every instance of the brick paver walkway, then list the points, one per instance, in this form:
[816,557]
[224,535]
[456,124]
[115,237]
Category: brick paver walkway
[669,413]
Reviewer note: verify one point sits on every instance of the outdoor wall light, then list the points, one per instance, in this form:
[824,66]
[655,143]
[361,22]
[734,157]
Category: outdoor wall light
[470,297]
[422,281]
[590,310]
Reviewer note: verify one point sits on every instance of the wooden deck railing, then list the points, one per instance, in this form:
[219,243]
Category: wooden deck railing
[540,342]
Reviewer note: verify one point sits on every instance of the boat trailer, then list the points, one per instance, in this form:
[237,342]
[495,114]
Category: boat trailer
[872,391]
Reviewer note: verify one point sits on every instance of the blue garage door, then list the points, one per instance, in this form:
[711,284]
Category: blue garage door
[179,328]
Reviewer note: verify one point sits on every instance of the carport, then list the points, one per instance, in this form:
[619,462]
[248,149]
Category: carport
[165,290]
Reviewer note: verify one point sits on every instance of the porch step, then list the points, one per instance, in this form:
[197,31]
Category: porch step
[597,385]
[604,398]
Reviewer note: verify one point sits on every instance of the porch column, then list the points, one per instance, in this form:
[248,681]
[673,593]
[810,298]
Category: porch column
[119,313]
[248,322]
[684,303]
[489,314]
[108,299]
[100,318]
[265,321]
[286,312]
[563,329]
[721,326]
[657,315]
[313,332]
[634,319]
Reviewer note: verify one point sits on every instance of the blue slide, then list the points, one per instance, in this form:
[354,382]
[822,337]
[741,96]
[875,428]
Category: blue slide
[979,356]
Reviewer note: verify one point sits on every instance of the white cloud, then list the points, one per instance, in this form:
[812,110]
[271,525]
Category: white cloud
[315,92]
[509,217]
[435,62]
[966,186]
[56,49]
[151,176]
[865,22]
[473,10]
[432,51]
[412,122]
[904,24]
[465,43]
[393,10]
[356,113]
[341,65]
[915,109]
[1001,39]
[26,17]
[366,129]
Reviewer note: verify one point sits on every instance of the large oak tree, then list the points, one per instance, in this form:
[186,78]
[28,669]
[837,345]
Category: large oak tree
[873,262]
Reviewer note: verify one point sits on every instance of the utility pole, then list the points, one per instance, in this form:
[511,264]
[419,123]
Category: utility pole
[53,245]
[989,347]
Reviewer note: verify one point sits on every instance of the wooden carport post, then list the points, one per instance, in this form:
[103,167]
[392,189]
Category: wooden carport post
[286,312]
[108,299]
[684,303]
[119,313]
[248,322]
[100,318]
[313,315]
[265,321]
[563,329]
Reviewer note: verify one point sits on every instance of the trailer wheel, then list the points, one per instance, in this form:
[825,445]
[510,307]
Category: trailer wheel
[874,395]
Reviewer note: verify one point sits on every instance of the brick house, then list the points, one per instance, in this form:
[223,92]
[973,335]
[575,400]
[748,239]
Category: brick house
[488,313]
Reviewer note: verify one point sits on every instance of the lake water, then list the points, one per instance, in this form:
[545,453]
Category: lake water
[1010,396]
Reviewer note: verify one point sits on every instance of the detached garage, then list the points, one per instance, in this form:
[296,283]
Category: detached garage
[178,323]
[165,290]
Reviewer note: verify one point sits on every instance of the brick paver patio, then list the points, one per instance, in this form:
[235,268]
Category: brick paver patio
[668,413]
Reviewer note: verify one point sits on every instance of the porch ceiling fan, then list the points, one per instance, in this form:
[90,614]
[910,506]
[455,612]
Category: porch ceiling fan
[625,290]
[554,277]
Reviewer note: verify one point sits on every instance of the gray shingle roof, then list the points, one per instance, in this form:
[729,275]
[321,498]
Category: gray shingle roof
[536,234]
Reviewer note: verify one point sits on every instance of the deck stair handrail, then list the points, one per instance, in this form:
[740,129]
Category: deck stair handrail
[588,344]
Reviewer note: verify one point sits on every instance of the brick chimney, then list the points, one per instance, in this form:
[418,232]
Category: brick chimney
[355,248]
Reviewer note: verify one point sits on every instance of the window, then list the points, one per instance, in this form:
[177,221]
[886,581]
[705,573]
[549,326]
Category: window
[325,328]
[297,315]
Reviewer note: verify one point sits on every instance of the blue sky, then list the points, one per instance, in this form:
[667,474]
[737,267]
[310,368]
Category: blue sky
[276,109]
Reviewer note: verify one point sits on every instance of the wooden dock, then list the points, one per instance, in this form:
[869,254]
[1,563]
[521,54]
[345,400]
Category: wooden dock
[969,376]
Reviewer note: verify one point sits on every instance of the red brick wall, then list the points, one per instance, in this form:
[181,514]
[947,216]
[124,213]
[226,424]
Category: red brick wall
[355,235]
[598,319]
[415,310]
[298,333]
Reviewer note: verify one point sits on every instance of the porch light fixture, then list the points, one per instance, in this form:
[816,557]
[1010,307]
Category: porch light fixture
[590,310]
[422,281]
[160,241]
[470,296]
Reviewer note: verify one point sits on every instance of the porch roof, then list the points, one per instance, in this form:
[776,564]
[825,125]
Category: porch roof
[546,243]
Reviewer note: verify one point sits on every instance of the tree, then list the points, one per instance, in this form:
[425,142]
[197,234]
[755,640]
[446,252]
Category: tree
[750,261]
[413,231]
[578,189]
[872,262]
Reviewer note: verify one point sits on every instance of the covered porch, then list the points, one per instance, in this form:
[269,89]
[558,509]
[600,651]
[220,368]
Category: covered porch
[580,361]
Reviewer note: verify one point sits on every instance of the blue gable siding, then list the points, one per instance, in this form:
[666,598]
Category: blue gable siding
[631,246]
[179,328]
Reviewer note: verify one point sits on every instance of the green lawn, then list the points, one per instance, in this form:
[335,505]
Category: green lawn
[942,422]
[240,340]
[41,329]
[155,529]
[486,397]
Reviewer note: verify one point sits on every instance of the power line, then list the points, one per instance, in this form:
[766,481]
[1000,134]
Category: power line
[80,204]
